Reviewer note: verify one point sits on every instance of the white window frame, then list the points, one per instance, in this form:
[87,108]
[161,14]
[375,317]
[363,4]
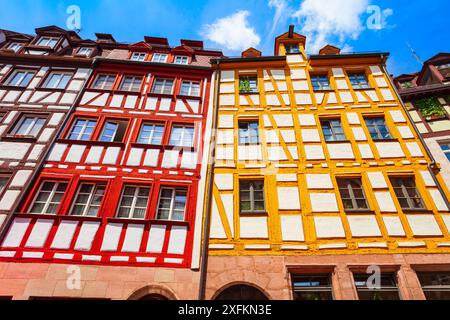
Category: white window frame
[45,41]
[88,204]
[85,51]
[83,128]
[181,60]
[150,140]
[48,202]
[15,46]
[157,57]
[131,85]
[172,203]
[30,126]
[182,135]
[190,83]
[133,205]
[21,79]
[163,86]
[102,87]
[138,56]
[59,81]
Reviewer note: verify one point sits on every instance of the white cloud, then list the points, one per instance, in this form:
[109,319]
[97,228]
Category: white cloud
[233,32]
[281,12]
[327,21]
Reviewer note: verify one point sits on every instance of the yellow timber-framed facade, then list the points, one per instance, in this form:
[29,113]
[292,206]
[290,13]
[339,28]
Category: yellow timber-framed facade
[273,133]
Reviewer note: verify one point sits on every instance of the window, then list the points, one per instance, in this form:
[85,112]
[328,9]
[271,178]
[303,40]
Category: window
[104,82]
[133,204]
[57,80]
[15,46]
[386,291]
[312,287]
[151,134]
[446,149]
[358,80]
[378,129]
[47,42]
[248,84]
[131,83]
[190,88]
[352,194]
[182,136]
[88,200]
[28,126]
[435,285]
[172,204]
[292,48]
[159,57]
[3,182]
[443,66]
[49,197]
[320,82]
[181,60]
[248,132]
[82,129]
[407,194]
[332,130]
[20,78]
[252,196]
[114,131]
[85,51]
[162,86]
[138,56]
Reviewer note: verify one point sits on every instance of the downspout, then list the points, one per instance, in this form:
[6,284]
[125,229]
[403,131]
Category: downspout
[26,189]
[422,140]
[209,194]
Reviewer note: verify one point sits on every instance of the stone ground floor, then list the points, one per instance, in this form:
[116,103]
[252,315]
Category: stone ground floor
[229,277]
[23,281]
[274,277]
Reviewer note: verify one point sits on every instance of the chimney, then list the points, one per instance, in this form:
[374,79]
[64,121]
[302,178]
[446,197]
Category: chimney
[291,31]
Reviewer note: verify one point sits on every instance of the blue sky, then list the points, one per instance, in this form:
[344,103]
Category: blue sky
[233,25]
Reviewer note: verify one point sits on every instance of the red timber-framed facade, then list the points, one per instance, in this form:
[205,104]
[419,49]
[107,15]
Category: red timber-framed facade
[118,192]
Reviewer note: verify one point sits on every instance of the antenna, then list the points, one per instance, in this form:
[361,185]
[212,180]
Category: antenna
[416,56]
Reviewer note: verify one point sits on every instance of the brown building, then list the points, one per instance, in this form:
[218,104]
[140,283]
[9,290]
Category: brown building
[426,95]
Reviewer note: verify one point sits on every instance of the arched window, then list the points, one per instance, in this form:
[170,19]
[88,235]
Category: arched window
[242,292]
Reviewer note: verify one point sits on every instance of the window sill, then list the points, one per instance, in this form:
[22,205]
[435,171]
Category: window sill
[362,89]
[169,222]
[126,220]
[8,87]
[182,96]
[160,95]
[125,92]
[93,143]
[417,211]
[19,138]
[365,211]
[255,213]
[246,93]
[323,90]
[384,140]
[162,147]
[51,89]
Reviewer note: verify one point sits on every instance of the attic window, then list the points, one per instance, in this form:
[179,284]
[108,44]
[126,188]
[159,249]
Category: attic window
[47,42]
[292,48]
[138,56]
[84,51]
[443,66]
[181,60]
[15,46]
[159,57]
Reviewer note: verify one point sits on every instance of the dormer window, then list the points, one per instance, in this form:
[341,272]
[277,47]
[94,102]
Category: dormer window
[85,51]
[160,57]
[406,84]
[138,56]
[47,42]
[291,48]
[181,60]
[15,46]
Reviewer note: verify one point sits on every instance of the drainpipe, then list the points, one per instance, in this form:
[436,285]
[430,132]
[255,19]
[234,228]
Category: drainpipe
[209,195]
[27,188]
[422,140]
